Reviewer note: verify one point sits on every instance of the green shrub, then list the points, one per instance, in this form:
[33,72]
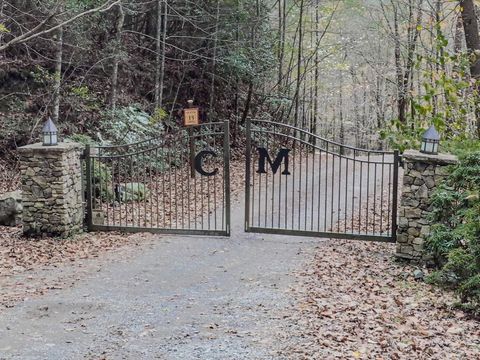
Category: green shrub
[102,181]
[455,239]
[131,124]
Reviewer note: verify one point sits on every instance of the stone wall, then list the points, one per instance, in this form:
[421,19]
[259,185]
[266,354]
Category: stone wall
[422,173]
[11,208]
[51,189]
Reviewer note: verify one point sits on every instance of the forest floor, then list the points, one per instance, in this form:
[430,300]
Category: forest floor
[252,296]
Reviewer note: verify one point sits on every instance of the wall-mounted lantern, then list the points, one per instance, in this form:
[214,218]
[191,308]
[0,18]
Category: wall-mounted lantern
[430,141]
[50,133]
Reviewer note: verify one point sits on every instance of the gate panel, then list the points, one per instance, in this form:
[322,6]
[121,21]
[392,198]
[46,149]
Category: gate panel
[176,184]
[301,184]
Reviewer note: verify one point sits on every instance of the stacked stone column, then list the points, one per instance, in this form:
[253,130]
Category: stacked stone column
[422,174]
[51,189]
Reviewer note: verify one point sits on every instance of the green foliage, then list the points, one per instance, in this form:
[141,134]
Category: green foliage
[402,136]
[81,138]
[132,192]
[102,181]
[455,239]
[443,101]
[158,116]
[81,91]
[131,124]
[461,146]
[3,28]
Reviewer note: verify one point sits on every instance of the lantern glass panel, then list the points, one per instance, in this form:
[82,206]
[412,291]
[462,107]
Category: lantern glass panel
[429,147]
[46,139]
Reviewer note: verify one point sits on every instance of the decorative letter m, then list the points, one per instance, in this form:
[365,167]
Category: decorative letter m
[263,155]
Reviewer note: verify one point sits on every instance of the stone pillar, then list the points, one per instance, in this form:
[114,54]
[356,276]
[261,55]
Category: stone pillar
[51,189]
[422,173]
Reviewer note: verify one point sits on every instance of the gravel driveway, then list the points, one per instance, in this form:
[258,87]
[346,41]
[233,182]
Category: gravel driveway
[181,298]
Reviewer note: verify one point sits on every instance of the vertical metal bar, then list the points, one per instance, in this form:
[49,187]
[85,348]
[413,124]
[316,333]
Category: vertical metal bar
[170,225]
[100,188]
[248,154]
[353,189]
[326,187]
[307,155]
[157,200]
[389,198]
[164,159]
[332,193]
[339,183]
[279,193]
[294,151]
[299,225]
[182,187]
[259,199]
[144,170]
[368,193]
[191,143]
[129,177]
[175,187]
[195,190]
[381,194]
[223,190]
[202,202]
[286,202]
[189,219]
[320,170]
[345,205]
[112,190]
[209,190]
[395,194]
[360,200]
[94,185]
[266,187]
[88,176]
[226,160]
[374,198]
[150,186]
[273,183]
[215,186]
[313,184]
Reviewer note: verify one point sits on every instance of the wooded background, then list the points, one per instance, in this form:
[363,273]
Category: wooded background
[365,72]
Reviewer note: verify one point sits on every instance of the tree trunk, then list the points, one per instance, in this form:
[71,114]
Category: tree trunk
[316,75]
[470,27]
[58,75]
[214,60]
[299,62]
[164,42]
[117,54]
[158,53]
[458,40]
[401,102]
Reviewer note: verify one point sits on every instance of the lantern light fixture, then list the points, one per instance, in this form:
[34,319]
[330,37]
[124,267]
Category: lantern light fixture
[430,141]
[50,133]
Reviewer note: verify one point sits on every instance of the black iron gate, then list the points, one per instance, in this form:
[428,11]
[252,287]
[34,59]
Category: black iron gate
[300,184]
[178,183]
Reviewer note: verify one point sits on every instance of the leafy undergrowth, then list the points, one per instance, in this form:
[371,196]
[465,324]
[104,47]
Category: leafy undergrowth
[455,239]
[355,301]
